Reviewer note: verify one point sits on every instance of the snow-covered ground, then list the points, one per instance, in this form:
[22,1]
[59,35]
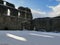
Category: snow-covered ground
[29,38]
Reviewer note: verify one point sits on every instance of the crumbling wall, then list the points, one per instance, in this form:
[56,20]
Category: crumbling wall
[42,24]
[22,12]
[3,10]
[1,1]
[26,14]
[13,21]
[1,22]
[10,5]
[13,11]
[56,24]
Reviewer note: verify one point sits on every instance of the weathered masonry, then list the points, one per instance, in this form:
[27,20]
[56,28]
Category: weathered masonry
[12,18]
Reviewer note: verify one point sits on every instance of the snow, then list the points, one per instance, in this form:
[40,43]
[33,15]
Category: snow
[29,38]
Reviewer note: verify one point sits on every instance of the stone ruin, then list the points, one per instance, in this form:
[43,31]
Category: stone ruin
[14,19]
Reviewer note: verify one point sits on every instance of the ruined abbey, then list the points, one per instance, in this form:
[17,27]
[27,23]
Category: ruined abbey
[21,18]
[15,19]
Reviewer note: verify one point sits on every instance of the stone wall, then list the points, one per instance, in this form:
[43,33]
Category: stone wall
[13,21]
[56,24]
[47,24]
[1,1]
[26,14]
[42,24]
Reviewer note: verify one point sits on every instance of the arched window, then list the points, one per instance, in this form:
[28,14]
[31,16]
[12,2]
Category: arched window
[18,13]
[4,3]
[8,13]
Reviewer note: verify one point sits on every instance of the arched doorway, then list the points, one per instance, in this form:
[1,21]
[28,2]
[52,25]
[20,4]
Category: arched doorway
[18,14]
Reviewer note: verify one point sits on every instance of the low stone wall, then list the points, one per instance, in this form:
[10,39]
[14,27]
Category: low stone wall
[47,24]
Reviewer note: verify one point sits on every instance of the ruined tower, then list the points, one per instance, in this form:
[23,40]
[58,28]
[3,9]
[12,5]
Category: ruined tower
[26,14]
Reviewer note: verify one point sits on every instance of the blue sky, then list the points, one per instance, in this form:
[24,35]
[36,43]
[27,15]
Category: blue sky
[39,8]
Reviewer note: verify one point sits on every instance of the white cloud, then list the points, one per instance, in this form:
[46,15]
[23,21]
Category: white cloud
[55,11]
[37,13]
